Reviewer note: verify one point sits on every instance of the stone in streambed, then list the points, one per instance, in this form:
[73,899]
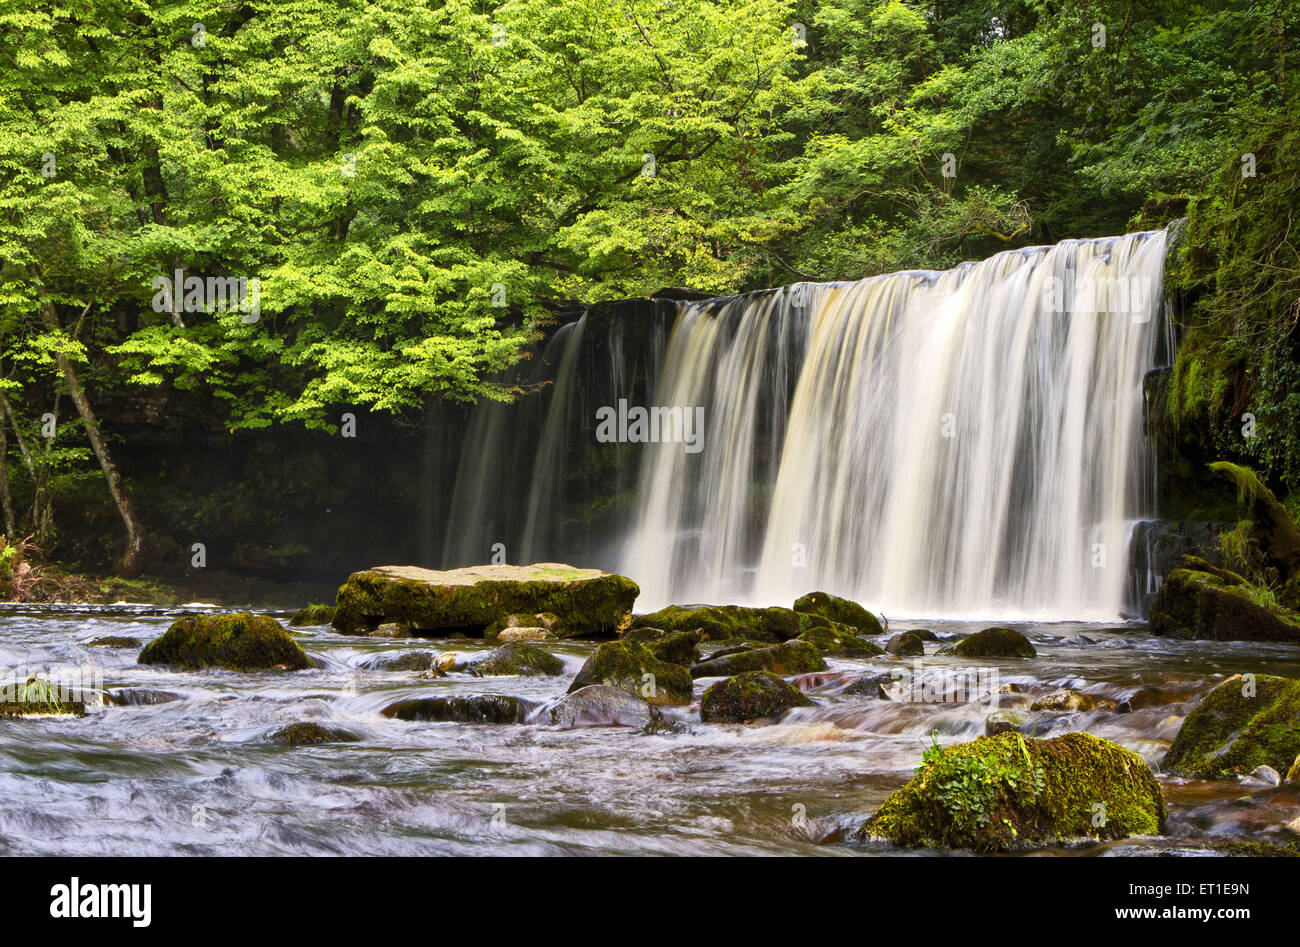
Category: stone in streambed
[479,708]
[634,669]
[1265,776]
[113,641]
[140,697]
[836,640]
[840,610]
[1070,701]
[905,644]
[724,622]
[532,627]
[1215,604]
[750,696]
[312,615]
[585,602]
[40,697]
[787,658]
[1243,723]
[1004,721]
[403,661]
[995,642]
[1010,792]
[237,641]
[521,658]
[309,734]
[679,647]
[601,705]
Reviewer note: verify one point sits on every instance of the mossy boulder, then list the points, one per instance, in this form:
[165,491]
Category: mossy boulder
[634,669]
[838,641]
[238,641]
[41,697]
[585,602]
[308,734]
[750,696]
[996,642]
[403,661]
[1008,792]
[678,647]
[1071,701]
[312,615]
[515,658]
[724,622]
[1218,605]
[478,708]
[1243,723]
[114,641]
[840,610]
[789,657]
[905,644]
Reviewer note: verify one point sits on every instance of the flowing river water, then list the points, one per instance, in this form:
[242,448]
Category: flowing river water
[198,775]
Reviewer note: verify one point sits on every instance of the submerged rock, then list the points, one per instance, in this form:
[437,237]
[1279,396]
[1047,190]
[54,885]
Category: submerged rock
[312,615]
[140,697]
[238,641]
[874,685]
[479,708]
[403,661]
[601,705]
[995,642]
[533,627]
[750,696]
[724,622]
[1004,721]
[307,734]
[1008,792]
[787,658]
[41,697]
[585,602]
[1218,605]
[515,658]
[1263,776]
[840,610]
[1244,723]
[634,669]
[1071,701]
[905,644]
[113,641]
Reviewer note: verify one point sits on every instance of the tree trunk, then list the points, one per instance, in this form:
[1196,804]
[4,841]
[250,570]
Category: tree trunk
[133,556]
[6,501]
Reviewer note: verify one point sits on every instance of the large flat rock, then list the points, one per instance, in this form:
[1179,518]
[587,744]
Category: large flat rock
[411,601]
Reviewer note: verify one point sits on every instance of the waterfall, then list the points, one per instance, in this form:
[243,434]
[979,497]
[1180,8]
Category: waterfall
[960,443]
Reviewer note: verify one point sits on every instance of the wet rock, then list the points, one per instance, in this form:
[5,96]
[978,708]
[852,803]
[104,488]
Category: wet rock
[1263,776]
[676,648]
[312,615]
[874,685]
[585,602]
[788,658]
[307,734]
[535,627]
[839,641]
[925,634]
[1009,792]
[237,641]
[643,635]
[515,658]
[840,610]
[41,697]
[403,661]
[724,622]
[1004,721]
[140,697]
[1142,698]
[479,708]
[995,642]
[1215,604]
[750,696]
[1070,701]
[634,669]
[601,705]
[905,644]
[114,641]
[1244,723]
[1293,774]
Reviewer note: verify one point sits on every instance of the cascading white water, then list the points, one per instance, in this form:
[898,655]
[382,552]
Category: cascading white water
[960,443]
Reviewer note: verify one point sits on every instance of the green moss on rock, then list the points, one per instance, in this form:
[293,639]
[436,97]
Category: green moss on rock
[478,708]
[995,642]
[238,641]
[308,734]
[905,644]
[1008,792]
[837,641]
[585,602]
[312,615]
[1241,724]
[789,657]
[840,610]
[724,622]
[634,669]
[750,696]
[1219,605]
[516,658]
[679,647]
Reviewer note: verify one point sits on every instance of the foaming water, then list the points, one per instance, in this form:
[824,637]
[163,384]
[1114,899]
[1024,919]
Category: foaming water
[198,775]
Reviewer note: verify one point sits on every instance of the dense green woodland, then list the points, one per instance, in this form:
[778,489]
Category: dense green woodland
[421,187]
